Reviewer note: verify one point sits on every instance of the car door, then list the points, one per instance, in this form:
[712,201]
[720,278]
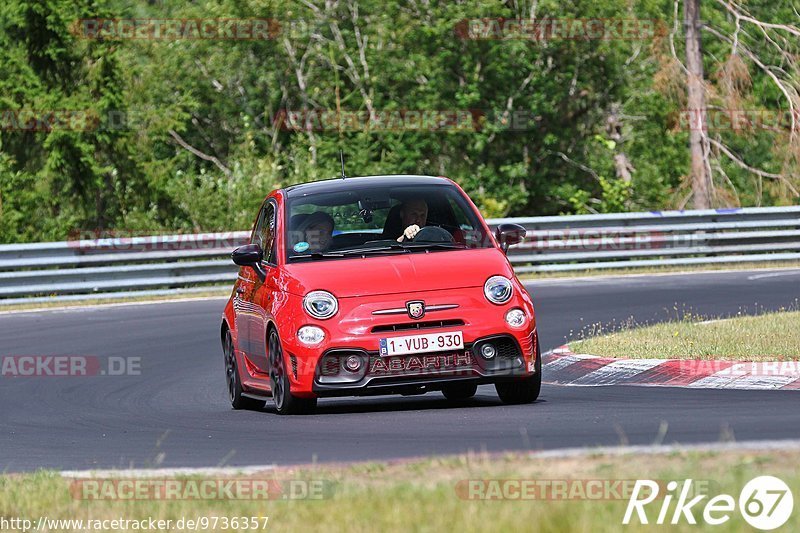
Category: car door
[244,307]
[262,291]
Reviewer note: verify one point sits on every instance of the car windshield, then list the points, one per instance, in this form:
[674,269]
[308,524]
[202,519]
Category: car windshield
[381,220]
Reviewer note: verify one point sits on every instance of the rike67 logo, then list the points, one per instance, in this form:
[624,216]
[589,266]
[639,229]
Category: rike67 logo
[765,502]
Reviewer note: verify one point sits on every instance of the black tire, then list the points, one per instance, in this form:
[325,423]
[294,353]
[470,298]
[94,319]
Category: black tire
[524,390]
[285,402]
[234,379]
[459,391]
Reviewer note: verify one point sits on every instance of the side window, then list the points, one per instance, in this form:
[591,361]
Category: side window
[255,238]
[271,231]
[264,232]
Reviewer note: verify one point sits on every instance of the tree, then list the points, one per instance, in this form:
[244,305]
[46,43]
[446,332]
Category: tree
[760,59]
[696,101]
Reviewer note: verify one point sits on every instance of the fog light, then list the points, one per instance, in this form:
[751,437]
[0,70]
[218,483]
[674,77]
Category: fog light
[310,335]
[488,351]
[352,363]
[515,318]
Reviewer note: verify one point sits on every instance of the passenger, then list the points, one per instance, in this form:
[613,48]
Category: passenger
[296,235]
[317,230]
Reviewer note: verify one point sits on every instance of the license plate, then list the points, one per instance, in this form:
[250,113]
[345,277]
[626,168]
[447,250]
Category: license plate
[431,342]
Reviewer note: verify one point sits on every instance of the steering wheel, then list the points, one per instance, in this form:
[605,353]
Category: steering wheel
[433,234]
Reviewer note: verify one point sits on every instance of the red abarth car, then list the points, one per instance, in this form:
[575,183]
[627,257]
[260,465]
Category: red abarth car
[376,285]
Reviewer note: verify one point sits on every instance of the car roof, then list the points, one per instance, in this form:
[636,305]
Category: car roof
[356,183]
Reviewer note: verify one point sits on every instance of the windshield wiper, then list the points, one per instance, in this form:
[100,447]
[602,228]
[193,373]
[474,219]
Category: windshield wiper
[388,247]
[396,247]
[435,246]
[316,255]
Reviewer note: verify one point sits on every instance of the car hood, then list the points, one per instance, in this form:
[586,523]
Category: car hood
[398,273]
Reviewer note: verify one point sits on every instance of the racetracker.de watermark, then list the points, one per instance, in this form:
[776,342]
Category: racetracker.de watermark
[605,239]
[290,120]
[121,240]
[712,119]
[561,29]
[169,489]
[557,489]
[731,369]
[243,29]
[403,120]
[46,120]
[37,366]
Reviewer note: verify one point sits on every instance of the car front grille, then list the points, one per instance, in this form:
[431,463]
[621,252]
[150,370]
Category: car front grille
[506,348]
[409,326]
[329,365]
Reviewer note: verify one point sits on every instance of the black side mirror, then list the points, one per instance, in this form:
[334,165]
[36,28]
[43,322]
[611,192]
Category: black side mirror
[508,234]
[250,255]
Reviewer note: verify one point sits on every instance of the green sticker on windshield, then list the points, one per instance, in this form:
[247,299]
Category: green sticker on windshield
[301,247]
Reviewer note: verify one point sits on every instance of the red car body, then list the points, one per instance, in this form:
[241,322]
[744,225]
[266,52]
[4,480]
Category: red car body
[372,292]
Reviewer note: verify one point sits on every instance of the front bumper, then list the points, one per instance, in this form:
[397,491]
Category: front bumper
[360,325]
[420,373]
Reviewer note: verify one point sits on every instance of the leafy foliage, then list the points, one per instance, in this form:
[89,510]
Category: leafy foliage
[188,134]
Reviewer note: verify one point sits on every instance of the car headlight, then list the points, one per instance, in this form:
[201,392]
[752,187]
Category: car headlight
[498,289]
[310,335]
[515,318]
[320,304]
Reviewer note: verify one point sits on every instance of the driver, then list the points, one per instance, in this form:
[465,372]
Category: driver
[414,216]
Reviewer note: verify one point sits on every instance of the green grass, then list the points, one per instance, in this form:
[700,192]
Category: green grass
[764,337]
[421,495]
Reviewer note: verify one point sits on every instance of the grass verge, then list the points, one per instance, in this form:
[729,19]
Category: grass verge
[423,495]
[764,337]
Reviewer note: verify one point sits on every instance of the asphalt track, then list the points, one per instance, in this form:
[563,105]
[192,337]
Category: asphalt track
[175,413]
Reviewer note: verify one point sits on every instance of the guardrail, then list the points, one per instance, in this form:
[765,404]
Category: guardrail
[174,263]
